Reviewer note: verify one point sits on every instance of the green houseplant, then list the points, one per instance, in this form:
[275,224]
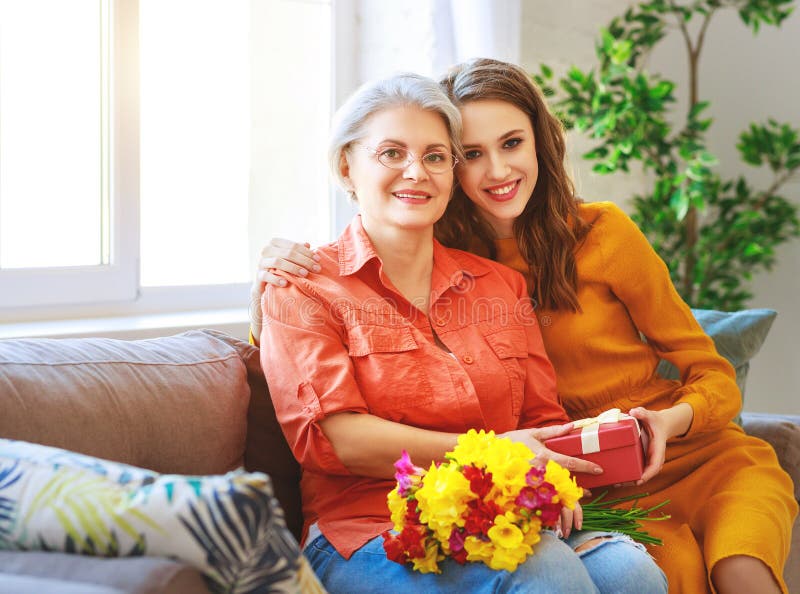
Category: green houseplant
[713,233]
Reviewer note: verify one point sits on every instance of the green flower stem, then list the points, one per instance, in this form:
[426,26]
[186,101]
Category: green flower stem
[603,516]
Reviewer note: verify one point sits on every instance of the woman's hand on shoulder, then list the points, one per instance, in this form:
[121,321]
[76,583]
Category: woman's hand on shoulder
[535,438]
[282,254]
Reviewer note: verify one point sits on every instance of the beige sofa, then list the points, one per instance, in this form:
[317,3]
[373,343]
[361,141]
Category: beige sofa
[195,403]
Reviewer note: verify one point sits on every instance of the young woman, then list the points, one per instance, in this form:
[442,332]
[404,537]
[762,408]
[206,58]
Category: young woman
[599,287]
[391,346]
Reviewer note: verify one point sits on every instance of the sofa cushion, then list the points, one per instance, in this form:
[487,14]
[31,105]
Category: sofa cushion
[229,527]
[175,404]
[267,450]
[25,584]
[134,575]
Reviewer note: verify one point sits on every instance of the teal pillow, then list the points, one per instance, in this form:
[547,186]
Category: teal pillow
[229,527]
[738,336]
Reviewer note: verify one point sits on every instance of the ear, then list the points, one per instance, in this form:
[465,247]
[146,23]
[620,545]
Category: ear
[344,171]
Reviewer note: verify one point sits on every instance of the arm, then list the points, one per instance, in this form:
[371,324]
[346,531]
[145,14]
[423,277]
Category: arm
[708,398]
[317,400]
[280,254]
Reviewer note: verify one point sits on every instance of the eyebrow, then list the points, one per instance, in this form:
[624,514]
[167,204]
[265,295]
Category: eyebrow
[400,143]
[503,137]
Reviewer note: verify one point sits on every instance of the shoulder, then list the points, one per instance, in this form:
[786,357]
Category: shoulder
[602,213]
[609,223]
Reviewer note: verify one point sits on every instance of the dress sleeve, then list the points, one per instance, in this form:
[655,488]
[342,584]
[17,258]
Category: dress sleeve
[541,405]
[640,279]
[309,372]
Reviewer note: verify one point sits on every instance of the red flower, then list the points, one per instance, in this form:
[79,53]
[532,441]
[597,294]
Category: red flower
[394,548]
[412,537]
[480,516]
[412,512]
[480,481]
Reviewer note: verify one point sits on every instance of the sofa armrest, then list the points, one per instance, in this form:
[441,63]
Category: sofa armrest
[782,432]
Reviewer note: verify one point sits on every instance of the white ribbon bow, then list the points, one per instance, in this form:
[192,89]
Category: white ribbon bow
[590,428]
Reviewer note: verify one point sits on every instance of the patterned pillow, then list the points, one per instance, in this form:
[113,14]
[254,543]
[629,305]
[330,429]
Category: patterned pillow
[229,527]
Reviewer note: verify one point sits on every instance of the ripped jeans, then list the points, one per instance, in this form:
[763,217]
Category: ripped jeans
[614,565]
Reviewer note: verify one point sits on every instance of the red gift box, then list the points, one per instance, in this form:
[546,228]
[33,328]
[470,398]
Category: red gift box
[620,453]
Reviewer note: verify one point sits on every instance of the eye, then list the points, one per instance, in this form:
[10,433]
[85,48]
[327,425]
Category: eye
[512,143]
[473,154]
[392,154]
[435,158]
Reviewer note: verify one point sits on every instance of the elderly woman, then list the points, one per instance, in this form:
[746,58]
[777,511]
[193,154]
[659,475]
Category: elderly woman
[400,343]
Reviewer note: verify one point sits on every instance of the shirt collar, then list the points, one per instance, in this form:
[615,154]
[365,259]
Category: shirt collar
[450,268]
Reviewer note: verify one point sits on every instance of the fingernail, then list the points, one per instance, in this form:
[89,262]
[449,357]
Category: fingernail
[316,257]
[302,272]
[316,268]
[282,283]
[597,470]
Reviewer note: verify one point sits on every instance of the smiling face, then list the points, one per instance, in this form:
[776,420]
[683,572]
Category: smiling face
[410,198]
[500,169]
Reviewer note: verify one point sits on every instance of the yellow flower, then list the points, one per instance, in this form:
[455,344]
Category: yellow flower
[429,563]
[531,531]
[397,506]
[510,548]
[472,447]
[505,534]
[508,559]
[478,550]
[509,462]
[442,499]
[568,491]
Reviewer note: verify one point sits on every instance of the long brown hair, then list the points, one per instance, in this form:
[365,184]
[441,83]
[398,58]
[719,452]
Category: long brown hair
[549,227]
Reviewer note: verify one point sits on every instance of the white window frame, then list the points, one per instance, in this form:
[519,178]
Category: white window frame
[30,289]
[108,300]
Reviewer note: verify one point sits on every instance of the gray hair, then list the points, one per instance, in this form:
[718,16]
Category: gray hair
[405,89]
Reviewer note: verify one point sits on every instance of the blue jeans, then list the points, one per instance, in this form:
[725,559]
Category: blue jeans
[615,566]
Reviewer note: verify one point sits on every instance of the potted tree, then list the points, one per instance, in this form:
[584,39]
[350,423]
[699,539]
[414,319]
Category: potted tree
[713,233]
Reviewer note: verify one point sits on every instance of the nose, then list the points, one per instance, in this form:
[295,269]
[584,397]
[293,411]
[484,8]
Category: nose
[498,167]
[415,170]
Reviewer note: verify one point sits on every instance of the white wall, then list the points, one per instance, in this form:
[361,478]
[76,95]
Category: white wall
[746,78]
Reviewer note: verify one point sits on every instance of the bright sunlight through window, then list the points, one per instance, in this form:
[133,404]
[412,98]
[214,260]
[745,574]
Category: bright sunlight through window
[52,196]
[195,141]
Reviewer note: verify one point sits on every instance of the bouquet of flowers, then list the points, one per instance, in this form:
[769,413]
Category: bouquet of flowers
[487,503]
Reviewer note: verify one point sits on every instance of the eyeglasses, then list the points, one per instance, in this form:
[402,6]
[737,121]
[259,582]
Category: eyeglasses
[394,157]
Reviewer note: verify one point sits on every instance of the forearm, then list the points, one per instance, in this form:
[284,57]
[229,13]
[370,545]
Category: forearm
[678,419]
[368,445]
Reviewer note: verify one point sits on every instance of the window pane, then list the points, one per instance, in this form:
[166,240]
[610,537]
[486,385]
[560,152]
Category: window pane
[50,133]
[195,141]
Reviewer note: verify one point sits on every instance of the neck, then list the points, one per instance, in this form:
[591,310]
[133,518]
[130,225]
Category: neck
[407,257]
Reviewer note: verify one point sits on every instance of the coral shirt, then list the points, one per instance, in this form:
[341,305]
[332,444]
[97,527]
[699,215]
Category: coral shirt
[346,340]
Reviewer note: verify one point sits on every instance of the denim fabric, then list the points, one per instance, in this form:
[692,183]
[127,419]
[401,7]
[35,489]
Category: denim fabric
[615,565]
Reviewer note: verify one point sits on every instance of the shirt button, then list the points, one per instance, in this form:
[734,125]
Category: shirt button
[468,359]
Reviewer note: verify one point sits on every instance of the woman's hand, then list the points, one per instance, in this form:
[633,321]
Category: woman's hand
[570,518]
[660,426]
[282,254]
[535,438]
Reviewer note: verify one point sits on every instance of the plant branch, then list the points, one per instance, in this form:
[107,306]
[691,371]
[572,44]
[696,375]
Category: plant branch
[777,183]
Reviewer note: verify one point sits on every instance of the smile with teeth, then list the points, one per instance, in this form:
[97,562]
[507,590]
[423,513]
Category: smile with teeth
[411,196]
[502,190]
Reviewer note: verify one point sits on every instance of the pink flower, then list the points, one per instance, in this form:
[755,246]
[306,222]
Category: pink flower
[407,474]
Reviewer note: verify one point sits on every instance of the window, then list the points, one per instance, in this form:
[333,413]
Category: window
[149,148]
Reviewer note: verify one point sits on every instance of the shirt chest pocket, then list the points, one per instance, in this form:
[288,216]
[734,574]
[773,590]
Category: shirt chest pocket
[389,367]
[510,346]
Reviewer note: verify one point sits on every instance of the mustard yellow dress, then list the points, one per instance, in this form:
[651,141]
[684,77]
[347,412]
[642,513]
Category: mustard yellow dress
[728,494]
